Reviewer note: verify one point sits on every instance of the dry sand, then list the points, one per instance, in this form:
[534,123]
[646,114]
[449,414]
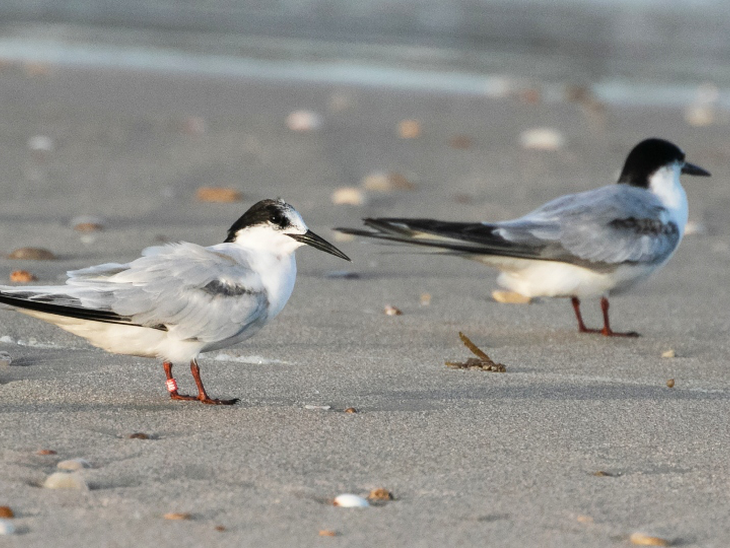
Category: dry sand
[473,458]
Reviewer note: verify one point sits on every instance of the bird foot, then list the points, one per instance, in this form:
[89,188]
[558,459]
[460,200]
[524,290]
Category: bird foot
[609,332]
[211,401]
[183,397]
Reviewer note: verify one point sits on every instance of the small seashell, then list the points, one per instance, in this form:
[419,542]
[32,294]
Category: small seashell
[73,464]
[6,512]
[669,354]
[177,516]
[584,519]
[218,194]
[380,494]
[348,196]
[41,143]
[542,138]
[699,115]
[670,383]
[22,276]
[392,311]
[45,452]
[327,533]
[387,182]
[303,120]
[351,410]
[7,527]
[348,500]
[5,359]
[409,129]
[32,254]
[510,297]
[425,299]
[643,539]
[64,480]
[138,436]
[318,407]
[87,223]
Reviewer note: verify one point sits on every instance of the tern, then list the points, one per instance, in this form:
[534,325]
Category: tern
[181,299]
[585,245]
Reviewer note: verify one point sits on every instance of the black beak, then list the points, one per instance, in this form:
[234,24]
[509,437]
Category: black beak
[310,238]
[691,169]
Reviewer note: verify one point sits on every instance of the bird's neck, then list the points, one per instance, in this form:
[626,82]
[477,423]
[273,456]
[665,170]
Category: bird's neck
[665,185]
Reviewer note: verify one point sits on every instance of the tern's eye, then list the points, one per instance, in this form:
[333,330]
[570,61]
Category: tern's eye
[276,219]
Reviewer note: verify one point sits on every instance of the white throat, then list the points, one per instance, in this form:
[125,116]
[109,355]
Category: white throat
[665,185]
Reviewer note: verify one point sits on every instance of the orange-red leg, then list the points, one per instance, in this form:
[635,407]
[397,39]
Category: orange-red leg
[606,331]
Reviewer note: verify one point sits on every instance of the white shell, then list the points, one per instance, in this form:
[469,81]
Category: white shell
[542,138]
[348,196]
[348,500]
[73,464]
[318,407]
[6,527]
[63,480]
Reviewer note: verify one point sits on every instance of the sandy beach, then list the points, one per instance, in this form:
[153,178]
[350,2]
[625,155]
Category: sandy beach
[579,443]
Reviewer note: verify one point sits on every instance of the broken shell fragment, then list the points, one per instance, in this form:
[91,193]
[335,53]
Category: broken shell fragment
[87,223]
[63,480]
[73,464]
[22,276]
[643,539]
[218,194]
[327,533]
[6,512]
[542,138]
[348,500]
[32,254]
[177,516]
[348,196]
[380,494]
[392,311]
[45,452]
[409,129]
[351,410]
[669,354]
[510,297]
[303,120]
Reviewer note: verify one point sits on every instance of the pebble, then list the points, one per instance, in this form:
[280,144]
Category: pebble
[22,276]
[318,407]
[6,512]
[409,129]
[351,410]
[669,354]
[73,465]
[392,311]
[425,299]
[643,539]
[670,383]
[510,297]
[138,436]
[327,533]
[348,500]
[45,452]
[5,359]
[64,480]
[218,194]
[32,254]
[347,195]
[542,138]
[304,120]
[6,527]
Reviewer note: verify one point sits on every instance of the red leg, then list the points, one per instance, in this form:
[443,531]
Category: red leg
[172,385]
[202,395]
[581,326]
[607,331]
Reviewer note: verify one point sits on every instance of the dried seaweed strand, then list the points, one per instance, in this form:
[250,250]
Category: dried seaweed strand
[474,348]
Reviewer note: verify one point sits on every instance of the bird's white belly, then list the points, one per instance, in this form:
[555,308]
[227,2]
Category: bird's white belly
[556,279]
[125,339]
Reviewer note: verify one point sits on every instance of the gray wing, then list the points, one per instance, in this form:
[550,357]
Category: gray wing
[188,290]
[611,225]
